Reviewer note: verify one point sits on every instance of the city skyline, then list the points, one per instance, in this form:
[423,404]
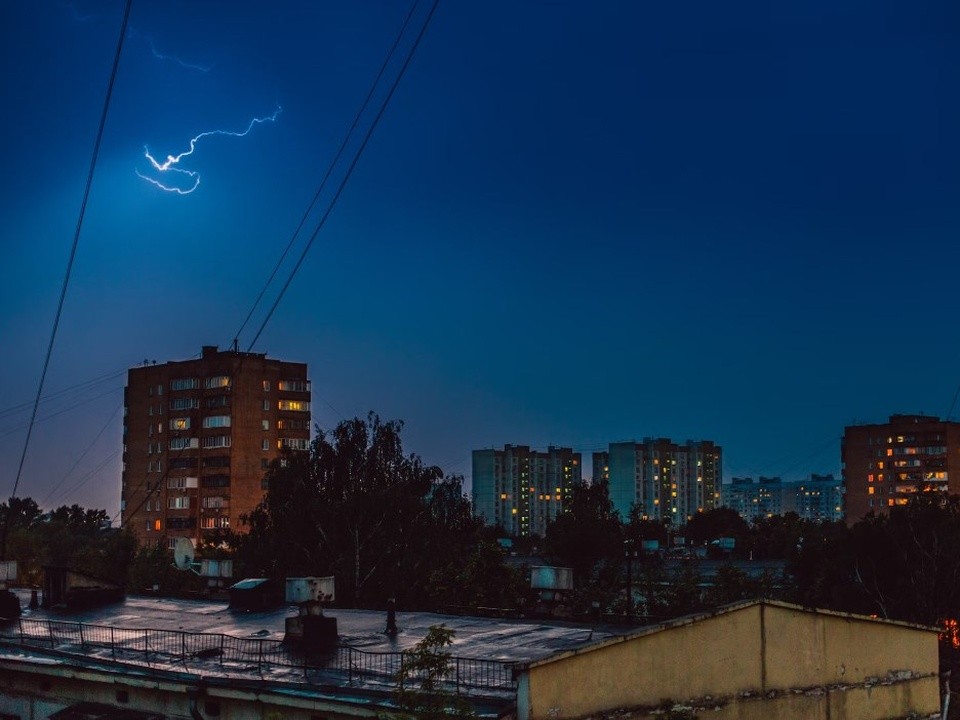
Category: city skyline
[572,226]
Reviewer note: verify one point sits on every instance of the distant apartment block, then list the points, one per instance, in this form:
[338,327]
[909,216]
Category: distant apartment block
[886,464]
[818,498]
[523,490]
[663,479]
[198,436]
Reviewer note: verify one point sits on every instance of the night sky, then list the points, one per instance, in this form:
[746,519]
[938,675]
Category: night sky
[577,222]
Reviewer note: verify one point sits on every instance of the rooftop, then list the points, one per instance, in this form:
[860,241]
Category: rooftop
[203,638]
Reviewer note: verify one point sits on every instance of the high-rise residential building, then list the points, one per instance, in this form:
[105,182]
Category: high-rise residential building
[663,479]
[818,498]
[886,464]
[522,490]
[199,435]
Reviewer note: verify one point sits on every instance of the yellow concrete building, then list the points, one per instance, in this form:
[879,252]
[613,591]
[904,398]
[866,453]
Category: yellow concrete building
[750,661]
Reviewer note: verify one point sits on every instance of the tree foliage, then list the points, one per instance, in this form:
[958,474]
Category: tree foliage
[423,672]
[68,536]
[358,508]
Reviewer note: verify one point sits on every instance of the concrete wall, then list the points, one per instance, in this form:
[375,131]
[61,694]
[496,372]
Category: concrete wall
[754,661]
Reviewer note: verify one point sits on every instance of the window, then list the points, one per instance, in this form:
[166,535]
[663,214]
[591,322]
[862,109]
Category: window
[184,384]
[218,401]
[294,386]
[183,463]
[266,386]
[180,423]
[181,483]
[184,404]
[294,405]
[264,465]
[157,525]
[218,381]
[183,444]
[287,424]
[215,421]
[217,461]
[266,405]
[159,389]
[265,445]
[217,441]
[293,443]
[266,424]
[217,521]
[214,501]
[180,502]
[214,481]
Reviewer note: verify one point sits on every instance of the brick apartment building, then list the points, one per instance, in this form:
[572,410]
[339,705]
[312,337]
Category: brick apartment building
[885,464]
[198,436]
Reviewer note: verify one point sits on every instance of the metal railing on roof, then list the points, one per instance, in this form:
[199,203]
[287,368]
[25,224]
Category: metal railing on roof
[198,651]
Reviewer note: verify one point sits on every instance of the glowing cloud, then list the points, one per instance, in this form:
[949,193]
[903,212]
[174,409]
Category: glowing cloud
[170,164]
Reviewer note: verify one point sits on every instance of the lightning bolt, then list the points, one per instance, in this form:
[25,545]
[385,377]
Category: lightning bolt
[170,164]
[160,56]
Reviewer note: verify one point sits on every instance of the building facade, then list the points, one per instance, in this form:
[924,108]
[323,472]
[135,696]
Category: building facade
[198,437]
[522,490]
[662,479]
[886,464]
[819,498]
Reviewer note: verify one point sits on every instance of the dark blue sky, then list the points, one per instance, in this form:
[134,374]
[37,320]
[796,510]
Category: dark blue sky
[576,223]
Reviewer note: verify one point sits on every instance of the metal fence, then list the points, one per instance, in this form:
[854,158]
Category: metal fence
[235,654]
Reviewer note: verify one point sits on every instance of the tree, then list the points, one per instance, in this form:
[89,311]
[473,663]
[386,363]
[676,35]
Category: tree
[356,507]
[586,532]
[712,524]
[420,679]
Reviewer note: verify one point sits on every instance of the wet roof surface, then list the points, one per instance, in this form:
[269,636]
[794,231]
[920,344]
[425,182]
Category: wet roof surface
[474,637]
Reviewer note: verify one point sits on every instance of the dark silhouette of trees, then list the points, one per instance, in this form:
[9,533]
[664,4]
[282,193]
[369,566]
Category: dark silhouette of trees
[587,532]
[356,507]
[69,536]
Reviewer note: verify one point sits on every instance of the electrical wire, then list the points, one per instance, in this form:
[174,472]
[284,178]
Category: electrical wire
[349,172]
[329,172]
[73,389]
[82,456]
[73,251]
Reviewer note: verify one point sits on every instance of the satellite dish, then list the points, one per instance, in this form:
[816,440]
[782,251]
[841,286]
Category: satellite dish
[183,554]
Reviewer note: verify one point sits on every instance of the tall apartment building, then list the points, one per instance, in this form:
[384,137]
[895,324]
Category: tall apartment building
[818,498]
[886,464]
[663,479]
[198,436]
[522,490]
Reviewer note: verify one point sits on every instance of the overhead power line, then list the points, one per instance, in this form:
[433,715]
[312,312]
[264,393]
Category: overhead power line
[329,172]
[349,172]
[73,252]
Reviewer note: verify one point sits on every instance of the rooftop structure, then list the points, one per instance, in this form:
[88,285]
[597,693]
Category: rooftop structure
[167,658]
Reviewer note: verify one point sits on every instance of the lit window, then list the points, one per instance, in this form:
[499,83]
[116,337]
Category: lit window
[294,386]
[181,423]
[156,525]
[218,381]
[294,405]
